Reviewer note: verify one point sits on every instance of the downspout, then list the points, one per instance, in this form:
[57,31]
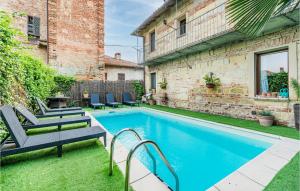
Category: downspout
[47,16]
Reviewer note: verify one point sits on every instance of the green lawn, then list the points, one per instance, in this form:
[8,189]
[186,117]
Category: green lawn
[288,178]
[83,166]
[247,124]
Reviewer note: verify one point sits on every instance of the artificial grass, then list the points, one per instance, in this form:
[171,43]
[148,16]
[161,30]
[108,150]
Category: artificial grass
[288,178]
[83,166]
[247,124]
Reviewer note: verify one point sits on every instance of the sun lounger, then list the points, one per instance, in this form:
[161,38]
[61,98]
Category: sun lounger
[34,122]
[44,106]
[95,101]
[110,100]
[44,113]
[24,143]
[127,99]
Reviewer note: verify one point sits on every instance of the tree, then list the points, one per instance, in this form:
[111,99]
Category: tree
[250,16]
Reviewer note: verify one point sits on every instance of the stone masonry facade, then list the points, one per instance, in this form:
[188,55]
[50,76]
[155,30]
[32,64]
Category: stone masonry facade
[234,65]
[233,62]
[71,34]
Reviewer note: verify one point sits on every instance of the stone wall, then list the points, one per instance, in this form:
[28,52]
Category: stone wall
[234,64]
[76,37]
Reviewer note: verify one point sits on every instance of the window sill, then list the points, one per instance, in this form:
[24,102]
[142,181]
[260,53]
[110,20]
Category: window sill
[271,99]
[182,35]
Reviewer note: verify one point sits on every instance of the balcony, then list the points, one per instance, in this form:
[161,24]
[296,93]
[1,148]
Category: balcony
[207,31]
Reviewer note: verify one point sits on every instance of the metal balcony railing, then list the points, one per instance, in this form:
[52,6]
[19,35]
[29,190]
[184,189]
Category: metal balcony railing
[205,26]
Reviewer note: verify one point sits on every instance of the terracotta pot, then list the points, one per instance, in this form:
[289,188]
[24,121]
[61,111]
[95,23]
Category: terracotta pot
[210,85]
[297,115]
[266,121]
[85,95]
[269,94]
[274,94]
[151,102]
[264,94]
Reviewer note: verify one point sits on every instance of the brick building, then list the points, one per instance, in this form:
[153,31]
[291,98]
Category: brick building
[66,34]
[184,42]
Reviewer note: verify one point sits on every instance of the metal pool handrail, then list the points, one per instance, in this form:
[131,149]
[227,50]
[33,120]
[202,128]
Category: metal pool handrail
[112,149]
[131,152]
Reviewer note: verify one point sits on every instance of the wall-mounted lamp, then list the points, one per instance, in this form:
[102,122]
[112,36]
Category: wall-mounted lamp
[166,23]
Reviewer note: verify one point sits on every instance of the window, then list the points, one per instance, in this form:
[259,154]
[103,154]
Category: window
[121,76]
[182,27]
[272,73]
[153,80]
[33,27]
[152,41]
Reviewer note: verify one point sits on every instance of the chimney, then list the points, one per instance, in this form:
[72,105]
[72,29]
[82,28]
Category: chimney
[118,55]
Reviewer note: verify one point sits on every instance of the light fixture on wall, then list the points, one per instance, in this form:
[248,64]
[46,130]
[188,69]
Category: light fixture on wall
[166,23]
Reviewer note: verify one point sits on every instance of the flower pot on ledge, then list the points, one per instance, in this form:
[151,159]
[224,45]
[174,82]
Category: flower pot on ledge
[210,85]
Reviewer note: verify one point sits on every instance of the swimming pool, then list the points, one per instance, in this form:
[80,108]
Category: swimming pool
[201,154]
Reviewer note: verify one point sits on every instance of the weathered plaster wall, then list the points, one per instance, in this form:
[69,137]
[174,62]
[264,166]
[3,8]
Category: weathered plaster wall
[130,73]
[234,64]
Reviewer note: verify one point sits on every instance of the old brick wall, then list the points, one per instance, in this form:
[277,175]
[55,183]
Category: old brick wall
[29,8]
[232,63]
[76,37]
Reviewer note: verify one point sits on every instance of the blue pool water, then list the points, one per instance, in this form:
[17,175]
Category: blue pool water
[201,156]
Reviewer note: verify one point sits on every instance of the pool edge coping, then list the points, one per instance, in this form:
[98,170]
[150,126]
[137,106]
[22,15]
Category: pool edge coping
[280,153]
[141,177]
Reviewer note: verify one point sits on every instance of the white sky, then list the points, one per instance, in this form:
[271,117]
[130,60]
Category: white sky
[122,17]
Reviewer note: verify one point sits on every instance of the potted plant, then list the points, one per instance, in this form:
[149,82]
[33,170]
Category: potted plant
[296,86]
[211,81]
[264,94]
[274,94]
[151,101]
[85,93]
[266,118]
[163,85]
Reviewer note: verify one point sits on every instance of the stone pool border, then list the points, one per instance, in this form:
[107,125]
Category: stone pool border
[256,174]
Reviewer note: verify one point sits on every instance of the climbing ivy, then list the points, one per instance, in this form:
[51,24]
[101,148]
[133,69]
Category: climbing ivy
[22,76]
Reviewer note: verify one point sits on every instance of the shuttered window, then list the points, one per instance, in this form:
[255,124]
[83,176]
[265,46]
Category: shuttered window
[152,41]
[121,76]
[182,27]
[153,80]
[33,27]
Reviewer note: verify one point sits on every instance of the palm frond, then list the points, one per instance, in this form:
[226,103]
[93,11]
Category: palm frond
[250,16]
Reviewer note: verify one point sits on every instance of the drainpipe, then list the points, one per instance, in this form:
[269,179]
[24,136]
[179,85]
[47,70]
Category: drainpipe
[47,16]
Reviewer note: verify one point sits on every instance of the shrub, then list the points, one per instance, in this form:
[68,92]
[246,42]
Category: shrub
[277,81]
[139,89]
[63,84]
[38,78]
[296,87]
[265,113]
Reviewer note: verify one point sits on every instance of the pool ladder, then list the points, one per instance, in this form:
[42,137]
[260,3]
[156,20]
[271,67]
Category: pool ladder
[131,152]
